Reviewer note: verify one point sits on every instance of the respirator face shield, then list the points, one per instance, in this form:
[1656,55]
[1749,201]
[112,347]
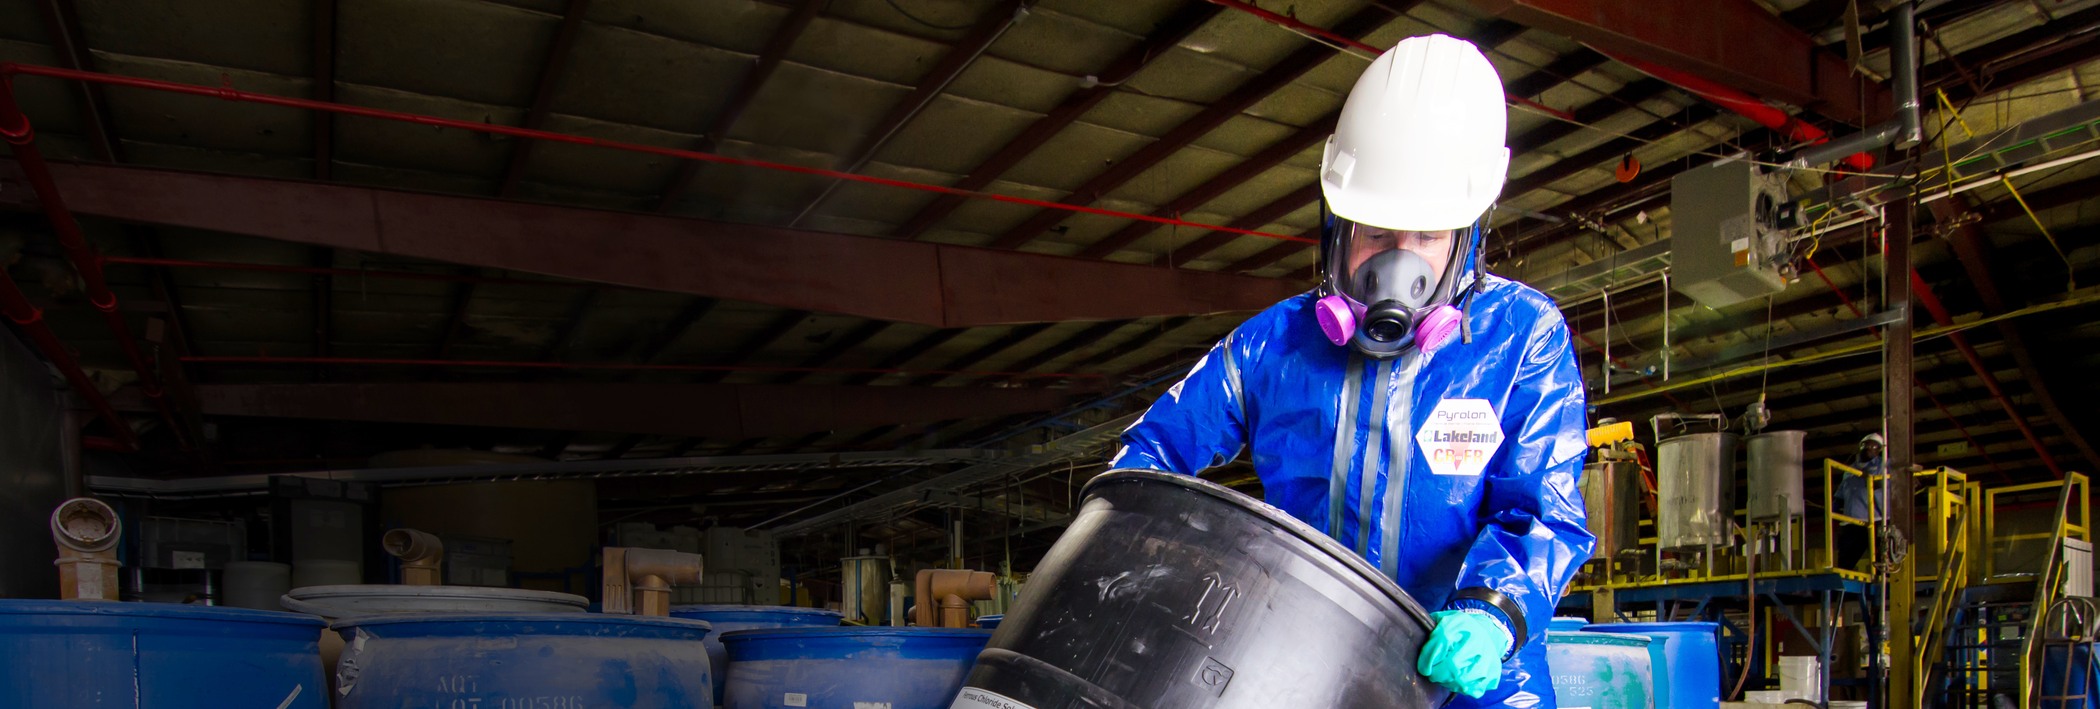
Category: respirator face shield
[1390,290]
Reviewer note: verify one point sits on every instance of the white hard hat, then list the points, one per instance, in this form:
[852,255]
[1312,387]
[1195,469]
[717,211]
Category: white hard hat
[1874,438]
[1420,142]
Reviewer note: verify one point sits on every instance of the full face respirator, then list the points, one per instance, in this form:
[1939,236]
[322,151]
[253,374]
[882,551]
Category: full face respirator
[1386,291]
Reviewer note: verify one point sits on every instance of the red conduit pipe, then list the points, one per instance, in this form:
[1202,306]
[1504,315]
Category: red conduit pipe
[619,366]
[1292,23]
[1742,103]
[25,315]
[10,70]
[15,128]
[1924,296]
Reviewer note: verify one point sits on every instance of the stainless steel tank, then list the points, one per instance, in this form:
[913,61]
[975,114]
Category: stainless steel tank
[1611,498]
[1775,474]
[1695,479]
[864,589]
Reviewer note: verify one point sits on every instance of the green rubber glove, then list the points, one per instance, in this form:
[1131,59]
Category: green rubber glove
[1464,652]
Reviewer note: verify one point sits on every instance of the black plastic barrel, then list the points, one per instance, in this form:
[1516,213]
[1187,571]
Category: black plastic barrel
[1168,591]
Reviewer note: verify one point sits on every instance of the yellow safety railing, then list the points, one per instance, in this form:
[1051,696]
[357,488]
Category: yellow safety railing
[2073,509]
[2073,517]
[1953,573]
[1834,471]
[1946,494]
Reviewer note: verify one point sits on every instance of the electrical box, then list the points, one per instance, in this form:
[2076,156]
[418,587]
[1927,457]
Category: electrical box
[1729,227]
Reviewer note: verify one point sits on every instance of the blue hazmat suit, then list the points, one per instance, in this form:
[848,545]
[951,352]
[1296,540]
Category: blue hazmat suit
[1334,438]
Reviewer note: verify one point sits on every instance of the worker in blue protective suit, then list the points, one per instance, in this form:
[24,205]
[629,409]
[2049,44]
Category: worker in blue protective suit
[1424,413]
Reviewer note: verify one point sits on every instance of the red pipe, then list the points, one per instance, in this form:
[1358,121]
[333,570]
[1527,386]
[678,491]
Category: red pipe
[9,70]
[342,272]
[1292,23]
[619,366]
[1742,103]
[22,313]
[15,128]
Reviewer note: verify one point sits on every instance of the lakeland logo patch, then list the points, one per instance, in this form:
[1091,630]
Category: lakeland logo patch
[1460,437]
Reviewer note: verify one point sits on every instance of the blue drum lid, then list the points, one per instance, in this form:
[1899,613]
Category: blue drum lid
[781,614]
[856,643]
[26,611]
[415,625]
[1569,637]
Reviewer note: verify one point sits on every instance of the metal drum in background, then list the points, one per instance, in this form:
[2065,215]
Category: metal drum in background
[353,600]
[1775,474]
[732,618]
[373,599]
[255,584]
[79,654]
[864,589]
[1169,591]
[896,668]
[1687,653]
[1695,481]
[521,660]
[1611,498]
[1600,670]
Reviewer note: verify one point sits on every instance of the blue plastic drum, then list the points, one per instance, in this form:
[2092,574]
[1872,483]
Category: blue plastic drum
[79,654]
[989,622]
[1687,653]
[1601,670]
[732,618]
[898,668]
[542,661]
[1567,624]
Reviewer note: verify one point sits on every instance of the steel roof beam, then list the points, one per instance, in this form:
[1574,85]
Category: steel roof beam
[779,327]
[936,284]
[1260,216]
[958,58]
[910,352]
[2018,57]
[1234,176]
[1610,150]
[1281,74]
[62,20]
[769,58]
[1977,254]
[551,67]
[1169,33]
[1013,338]
[324,88]
[718,411]
[1736,42]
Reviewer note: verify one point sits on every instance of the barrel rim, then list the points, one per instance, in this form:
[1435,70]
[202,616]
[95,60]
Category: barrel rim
[164,611]
[1275,516]
[1588,637]
[853,631]
[764,610]
[323,594]
[1663,625]
[365,621]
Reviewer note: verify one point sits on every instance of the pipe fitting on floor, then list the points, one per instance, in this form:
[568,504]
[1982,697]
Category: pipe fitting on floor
[639,581]
[942,596]
[86,531]
[421,553]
